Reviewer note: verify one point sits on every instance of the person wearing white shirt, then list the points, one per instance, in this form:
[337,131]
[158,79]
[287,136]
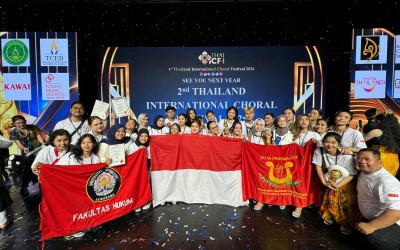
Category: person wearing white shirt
[158,126]
[248,123]
[213,128]
[83,153]
[231,117]
[256,136]
[97,128]
[182,123]
[5,199]
[281,135]
[75,124]
[170,111]
[379,201]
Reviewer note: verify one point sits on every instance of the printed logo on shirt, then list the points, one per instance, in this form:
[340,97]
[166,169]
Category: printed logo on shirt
[393,196]
[103,185]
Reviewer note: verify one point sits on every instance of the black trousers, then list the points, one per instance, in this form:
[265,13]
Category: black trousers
[27,174]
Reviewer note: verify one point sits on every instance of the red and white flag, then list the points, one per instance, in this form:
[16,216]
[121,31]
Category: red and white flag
[196,169]
[75,198]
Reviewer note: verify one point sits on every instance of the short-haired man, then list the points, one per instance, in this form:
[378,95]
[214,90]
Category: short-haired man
[170,112]
[379,201]
[248,123]
[75,124]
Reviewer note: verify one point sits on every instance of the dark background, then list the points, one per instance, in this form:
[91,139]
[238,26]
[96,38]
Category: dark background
[324,23]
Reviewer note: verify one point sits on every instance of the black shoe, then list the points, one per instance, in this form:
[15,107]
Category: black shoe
[24,191]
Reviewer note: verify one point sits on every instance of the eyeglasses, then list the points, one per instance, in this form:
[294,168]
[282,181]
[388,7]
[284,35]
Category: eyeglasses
[214,127]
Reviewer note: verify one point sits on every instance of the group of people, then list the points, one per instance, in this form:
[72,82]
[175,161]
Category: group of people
[359,188]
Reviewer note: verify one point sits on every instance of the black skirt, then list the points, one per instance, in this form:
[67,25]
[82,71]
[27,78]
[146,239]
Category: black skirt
[5,199]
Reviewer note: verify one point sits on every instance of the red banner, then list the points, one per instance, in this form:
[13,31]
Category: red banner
[280,175]
[75,198]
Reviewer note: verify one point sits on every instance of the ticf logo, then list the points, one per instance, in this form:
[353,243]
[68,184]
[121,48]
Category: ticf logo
[213,58]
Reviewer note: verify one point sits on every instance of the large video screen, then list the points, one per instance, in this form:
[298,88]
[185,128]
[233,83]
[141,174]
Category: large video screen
[265,78]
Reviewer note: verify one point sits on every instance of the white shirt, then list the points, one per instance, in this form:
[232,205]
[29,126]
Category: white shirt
[70,126]
[69,159]
[285,139]
[133,148]
[166,121]
[377,192]
[352,138]
[186,130]
[48,156]
[256,139]
[163,131]
[98,138]
[103,150]
[346,161]
[304,138]
[247,128]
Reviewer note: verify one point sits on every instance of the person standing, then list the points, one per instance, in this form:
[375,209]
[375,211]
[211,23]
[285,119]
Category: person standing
[75,124]
[27,138]
[379,201]
[5,199]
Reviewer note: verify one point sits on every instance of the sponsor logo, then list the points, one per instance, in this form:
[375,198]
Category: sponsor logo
[15,52]
[370,48]
[213,58]
[103,185]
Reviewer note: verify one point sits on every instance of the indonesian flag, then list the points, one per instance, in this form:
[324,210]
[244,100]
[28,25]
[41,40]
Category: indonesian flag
[196,169]
[280,175]
[75,198]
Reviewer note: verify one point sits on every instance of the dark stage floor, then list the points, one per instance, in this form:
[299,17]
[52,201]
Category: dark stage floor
[184,226]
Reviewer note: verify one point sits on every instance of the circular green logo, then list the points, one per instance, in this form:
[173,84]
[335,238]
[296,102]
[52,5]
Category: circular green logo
[15,52]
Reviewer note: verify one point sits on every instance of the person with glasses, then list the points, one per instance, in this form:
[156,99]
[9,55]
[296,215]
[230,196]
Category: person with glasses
[213,128]
[27,138]
[75,124]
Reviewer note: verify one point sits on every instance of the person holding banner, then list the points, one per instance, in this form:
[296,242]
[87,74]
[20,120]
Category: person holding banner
[53,153]
[302,133]
[248,123]
[340,199]
[85,152]
[231,117]
[182,118]
[5,199]
[97,128]
[75,124]
[27,138]
[352,140]
[158,126]
[142,142]
[143,120]
[203,127]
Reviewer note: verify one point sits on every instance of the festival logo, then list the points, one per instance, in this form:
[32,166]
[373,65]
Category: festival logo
[371,49]
[54,52]
[15,52]
[370,84]
[103,185]
[213,58]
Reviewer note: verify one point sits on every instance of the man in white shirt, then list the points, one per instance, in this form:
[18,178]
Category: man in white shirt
[75,124]
[379,201]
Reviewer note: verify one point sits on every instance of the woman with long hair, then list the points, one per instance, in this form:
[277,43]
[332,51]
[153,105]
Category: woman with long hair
[290,116]
[321,127]
[174,129]
[190,115]
[236,131]
[340,198]
[387,135]
[231,117]
[182,118]
[85,152]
